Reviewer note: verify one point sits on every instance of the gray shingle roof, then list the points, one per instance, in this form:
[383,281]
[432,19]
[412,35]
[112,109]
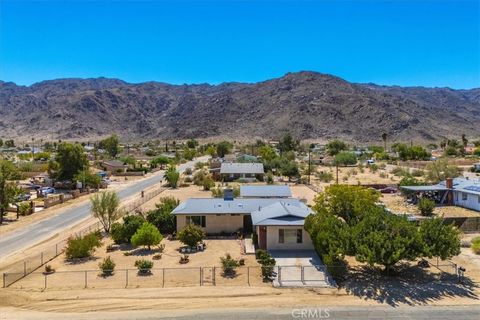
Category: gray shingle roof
[196,206]
[281,213]
[459,184]
[238,168]
[266,191]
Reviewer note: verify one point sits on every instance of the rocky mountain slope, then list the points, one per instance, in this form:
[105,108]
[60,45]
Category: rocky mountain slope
[307,104]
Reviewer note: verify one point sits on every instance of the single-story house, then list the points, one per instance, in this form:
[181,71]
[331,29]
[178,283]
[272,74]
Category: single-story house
[270,191]
[274,219]
[113,166]
[279,226]
[230,171]
[461,192]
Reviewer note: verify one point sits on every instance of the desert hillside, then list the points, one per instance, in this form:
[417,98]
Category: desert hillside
[309,105]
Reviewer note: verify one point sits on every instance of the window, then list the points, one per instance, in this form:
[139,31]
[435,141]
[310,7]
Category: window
[196,220]
[464,196]
[289,235]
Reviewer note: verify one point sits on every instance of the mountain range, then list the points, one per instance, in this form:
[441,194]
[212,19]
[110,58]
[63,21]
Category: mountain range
[309,105]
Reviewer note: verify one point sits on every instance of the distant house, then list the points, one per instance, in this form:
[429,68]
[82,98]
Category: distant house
[234,170]
[461,192]
[246,158]
[271,191]
[114,166]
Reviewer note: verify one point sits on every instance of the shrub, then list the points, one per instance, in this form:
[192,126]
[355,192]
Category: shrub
[417,173]
[144,266]
[373,168]
[157,256]
[124,233]
[191,235]
[184,259]
[208,183]
[267,262]
[426,206]
[82,247]
[269,177]
[229,265]
[475,245]
[325,176]
[147,235]
[24,208]
[107,266]
[188,171]
[161,217]
[117,233]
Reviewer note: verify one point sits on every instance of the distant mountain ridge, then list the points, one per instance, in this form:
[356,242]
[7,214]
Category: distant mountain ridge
[310,105]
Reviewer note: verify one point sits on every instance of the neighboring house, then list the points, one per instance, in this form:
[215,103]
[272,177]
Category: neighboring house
[246,158]
[279,226]
[461,192]
[113,166]
[276,218]
[272,191]
[248,171]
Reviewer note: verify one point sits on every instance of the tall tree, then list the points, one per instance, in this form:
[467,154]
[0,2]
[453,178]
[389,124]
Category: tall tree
[384,138]
[439,170]
[172,176]
[111,145]
[71,160]
[8,189]
[161,217]
[223,148]
[335,146]
[105,207]
[440,240]
[287,143]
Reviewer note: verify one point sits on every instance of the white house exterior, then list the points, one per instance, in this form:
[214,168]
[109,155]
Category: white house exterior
[461,192]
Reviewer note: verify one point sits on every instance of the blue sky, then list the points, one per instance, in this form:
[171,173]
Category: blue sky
[428,43]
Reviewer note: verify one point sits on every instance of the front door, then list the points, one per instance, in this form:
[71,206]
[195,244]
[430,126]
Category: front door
[247,224]
[262,238]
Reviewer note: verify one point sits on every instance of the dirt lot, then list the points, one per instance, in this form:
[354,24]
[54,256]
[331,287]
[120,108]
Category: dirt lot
[76,274]
[397,204]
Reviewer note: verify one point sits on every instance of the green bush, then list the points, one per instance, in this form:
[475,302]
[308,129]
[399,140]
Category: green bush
[191,235]
[267,262]
[107,266]
[147,235]
[117,233]
[325,176]
[144,266]
[475,245]
[82,247]
[426,207]
[123,233]
[229,265]
[24,208]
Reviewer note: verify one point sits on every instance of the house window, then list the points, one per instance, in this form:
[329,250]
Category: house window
[464,196]
[289,235]
[196,220]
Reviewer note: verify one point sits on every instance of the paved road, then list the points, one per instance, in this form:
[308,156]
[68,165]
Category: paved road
[44,229]
[333,313]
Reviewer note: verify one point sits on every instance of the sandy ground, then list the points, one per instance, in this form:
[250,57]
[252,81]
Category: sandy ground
[397,204]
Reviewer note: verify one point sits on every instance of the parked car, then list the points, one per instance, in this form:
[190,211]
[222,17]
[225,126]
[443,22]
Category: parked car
[46,190]
[23,197]
[388,190]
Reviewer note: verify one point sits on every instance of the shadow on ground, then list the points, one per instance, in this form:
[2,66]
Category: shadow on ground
[410,285]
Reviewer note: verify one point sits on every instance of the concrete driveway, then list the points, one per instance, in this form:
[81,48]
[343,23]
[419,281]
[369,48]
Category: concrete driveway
[300,268]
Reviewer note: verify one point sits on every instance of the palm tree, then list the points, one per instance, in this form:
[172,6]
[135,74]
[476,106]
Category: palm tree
[384,138]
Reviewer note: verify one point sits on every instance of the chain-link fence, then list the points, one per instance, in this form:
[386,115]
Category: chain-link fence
[133,278]
[32,263]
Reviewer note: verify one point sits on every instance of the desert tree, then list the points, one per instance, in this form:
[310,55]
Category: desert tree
[105,206]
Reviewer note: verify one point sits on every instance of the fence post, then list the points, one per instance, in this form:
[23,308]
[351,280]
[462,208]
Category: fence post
[302,274]
[201,276]
[126,278]
[248,275]
[214,275]
[45,282]
[56,249]
[24,268]
[85,279]
[41,258]
[4,280]
[279,275]
[163,277]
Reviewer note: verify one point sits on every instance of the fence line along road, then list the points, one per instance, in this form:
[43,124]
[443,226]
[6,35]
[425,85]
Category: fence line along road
[133,278]
[22,268]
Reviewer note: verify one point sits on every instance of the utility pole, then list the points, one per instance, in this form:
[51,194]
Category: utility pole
[309,165]
[336,165]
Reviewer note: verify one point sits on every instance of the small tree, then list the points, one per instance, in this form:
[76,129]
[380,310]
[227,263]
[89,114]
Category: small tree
[107,266]
[335,146]
[172,176]
[426,207]
[147,235]
[223,148]
[345,158]
[105,207]
[8,189]
[229,265]
[191,235]
[162,217]
[111,145]
[440,240]
[208,183]
[82,247]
